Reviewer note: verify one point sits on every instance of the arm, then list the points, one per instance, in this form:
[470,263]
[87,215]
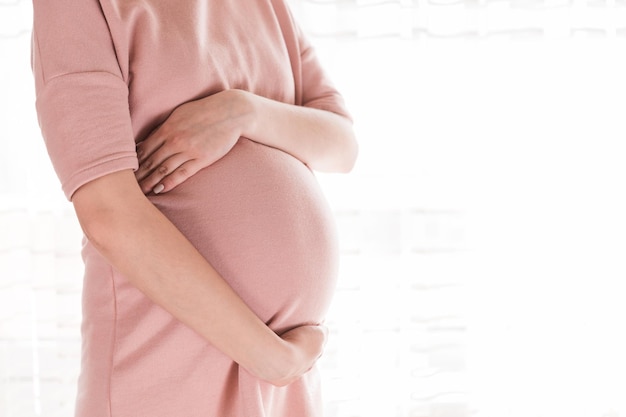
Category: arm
[323,140]
[155,257]
[83,110]
[199,133]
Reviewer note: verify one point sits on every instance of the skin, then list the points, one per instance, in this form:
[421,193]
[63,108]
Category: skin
[141,243]
[199,133]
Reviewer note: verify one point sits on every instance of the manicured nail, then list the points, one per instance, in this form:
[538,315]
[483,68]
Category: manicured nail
[158,188]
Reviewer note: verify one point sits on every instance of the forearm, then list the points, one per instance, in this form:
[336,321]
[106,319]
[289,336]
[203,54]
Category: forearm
[200,132]
[323,140]
[146,247]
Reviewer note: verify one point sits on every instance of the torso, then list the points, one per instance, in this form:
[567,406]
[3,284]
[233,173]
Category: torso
[276,247]
[257,215]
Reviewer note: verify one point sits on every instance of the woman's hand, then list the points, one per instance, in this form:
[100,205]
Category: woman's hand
[304,346]
[194,136]
[200,132]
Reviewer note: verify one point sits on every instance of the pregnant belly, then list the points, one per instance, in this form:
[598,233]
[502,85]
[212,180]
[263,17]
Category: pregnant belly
[259,217]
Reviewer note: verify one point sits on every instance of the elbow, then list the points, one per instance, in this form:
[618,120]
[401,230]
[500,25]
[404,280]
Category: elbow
[106,209]
[344,159]
[97,227]
[341,161]
[350,154]
[341,157]
[349,150]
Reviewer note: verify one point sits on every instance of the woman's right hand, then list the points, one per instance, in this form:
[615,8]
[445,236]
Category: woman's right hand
[304,346]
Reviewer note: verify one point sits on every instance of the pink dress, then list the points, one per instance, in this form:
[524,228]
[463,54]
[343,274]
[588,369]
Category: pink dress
[107,73]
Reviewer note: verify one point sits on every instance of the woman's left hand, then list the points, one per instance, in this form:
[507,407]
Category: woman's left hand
[194,136]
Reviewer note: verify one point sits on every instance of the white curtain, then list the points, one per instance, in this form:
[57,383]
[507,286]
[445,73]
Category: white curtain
[483,229]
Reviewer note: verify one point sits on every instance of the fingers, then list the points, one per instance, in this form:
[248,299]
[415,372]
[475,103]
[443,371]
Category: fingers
[148,146]
[169,174]
[306,345]
[178,149]
[149,158]
[311,337]
[180,175]
[162,169]
[154,170]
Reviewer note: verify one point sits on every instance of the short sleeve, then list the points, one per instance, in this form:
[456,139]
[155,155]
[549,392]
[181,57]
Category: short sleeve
[313,85]
[318,90]
[82,98]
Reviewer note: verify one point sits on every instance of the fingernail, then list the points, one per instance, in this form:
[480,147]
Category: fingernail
[158,188]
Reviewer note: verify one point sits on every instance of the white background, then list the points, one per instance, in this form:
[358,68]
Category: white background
[483,229]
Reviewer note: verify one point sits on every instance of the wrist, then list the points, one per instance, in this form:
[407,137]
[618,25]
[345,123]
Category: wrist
[244,110]
[278,364]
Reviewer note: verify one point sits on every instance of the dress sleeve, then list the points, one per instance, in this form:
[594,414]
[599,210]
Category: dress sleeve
[318,90]
[81,96]
[313,85]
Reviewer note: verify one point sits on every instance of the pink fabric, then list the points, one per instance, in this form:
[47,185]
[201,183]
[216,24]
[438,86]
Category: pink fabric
[107,73]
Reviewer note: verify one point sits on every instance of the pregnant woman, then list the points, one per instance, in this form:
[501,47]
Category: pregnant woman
[184,133]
